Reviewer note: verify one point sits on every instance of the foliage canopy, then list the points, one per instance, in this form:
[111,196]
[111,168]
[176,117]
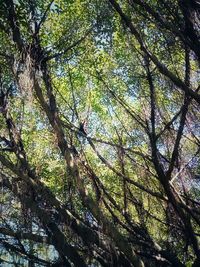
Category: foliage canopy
[99,133]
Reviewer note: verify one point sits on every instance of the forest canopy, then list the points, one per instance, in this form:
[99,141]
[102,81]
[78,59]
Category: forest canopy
[100,133]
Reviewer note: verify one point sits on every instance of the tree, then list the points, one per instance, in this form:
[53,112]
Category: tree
[99,133]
